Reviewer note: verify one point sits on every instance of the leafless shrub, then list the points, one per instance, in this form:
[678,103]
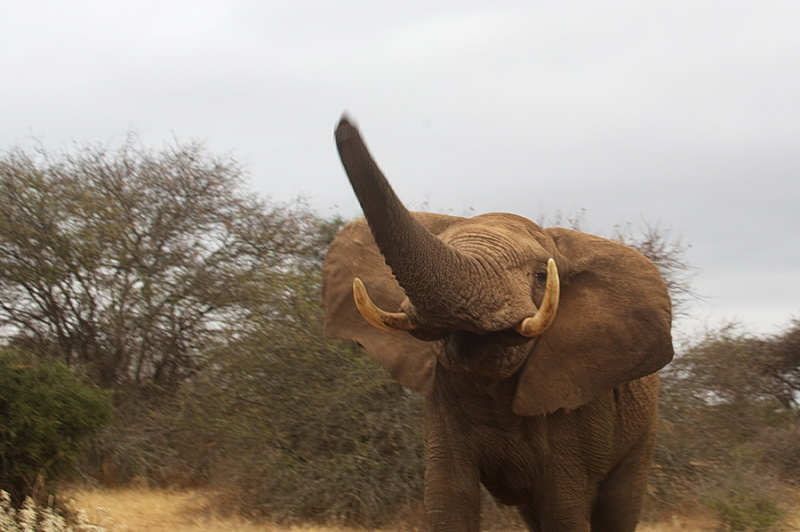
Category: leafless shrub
[728,436]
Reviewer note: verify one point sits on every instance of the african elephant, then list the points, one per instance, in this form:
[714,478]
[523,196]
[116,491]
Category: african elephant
[535,349]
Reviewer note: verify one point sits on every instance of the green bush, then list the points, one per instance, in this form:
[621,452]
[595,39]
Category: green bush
[45,412]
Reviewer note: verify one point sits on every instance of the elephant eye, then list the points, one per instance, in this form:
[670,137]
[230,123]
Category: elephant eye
[541,276]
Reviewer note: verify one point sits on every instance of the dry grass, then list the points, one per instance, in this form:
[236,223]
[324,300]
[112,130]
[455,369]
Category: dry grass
[150,510]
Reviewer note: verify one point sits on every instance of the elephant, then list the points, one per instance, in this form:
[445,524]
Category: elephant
[536,351]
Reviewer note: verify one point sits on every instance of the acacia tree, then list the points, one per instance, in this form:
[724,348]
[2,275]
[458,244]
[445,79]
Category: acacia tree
[130,263]
[731,370]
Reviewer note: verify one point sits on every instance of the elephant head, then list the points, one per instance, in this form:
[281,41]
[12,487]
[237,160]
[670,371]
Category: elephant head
[490,297]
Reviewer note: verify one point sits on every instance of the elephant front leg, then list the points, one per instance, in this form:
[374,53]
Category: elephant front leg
[452,492]
[452,472]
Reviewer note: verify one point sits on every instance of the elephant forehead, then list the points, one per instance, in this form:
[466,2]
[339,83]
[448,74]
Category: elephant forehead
[498,250]
[504,237]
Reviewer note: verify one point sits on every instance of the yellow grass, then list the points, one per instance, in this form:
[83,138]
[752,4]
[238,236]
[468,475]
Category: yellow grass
[152,510]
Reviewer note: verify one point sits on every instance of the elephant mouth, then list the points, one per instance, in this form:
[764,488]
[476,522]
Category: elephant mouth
[529,327]
[495,355]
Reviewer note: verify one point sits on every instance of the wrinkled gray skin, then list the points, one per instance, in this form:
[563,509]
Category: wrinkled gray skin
[563,425]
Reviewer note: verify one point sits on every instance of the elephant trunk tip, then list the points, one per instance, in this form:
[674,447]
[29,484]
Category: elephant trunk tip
[346,128]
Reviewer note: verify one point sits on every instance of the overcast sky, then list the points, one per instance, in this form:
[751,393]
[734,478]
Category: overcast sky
[681,113]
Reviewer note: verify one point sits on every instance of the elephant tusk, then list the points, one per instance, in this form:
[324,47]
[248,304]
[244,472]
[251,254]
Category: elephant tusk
[539,323]
[386,321]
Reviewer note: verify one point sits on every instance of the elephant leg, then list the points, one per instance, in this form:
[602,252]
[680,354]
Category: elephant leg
[621,493]
[452,472]
[452,495]
[452,484]
[557,511]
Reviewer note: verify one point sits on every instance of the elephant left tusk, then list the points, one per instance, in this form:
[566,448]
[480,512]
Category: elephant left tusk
[386,321]
[539,323]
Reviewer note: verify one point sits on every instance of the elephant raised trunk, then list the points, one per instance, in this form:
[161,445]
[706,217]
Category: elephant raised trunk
[441,283]
[427,269]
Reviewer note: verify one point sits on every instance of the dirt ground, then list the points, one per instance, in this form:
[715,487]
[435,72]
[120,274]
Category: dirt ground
[148,510]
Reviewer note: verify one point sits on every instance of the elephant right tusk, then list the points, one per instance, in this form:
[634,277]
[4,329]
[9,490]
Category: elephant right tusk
[538,324]
[386,321]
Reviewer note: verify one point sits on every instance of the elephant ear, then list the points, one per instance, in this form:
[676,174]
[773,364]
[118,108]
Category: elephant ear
[613,325]
[353,253]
